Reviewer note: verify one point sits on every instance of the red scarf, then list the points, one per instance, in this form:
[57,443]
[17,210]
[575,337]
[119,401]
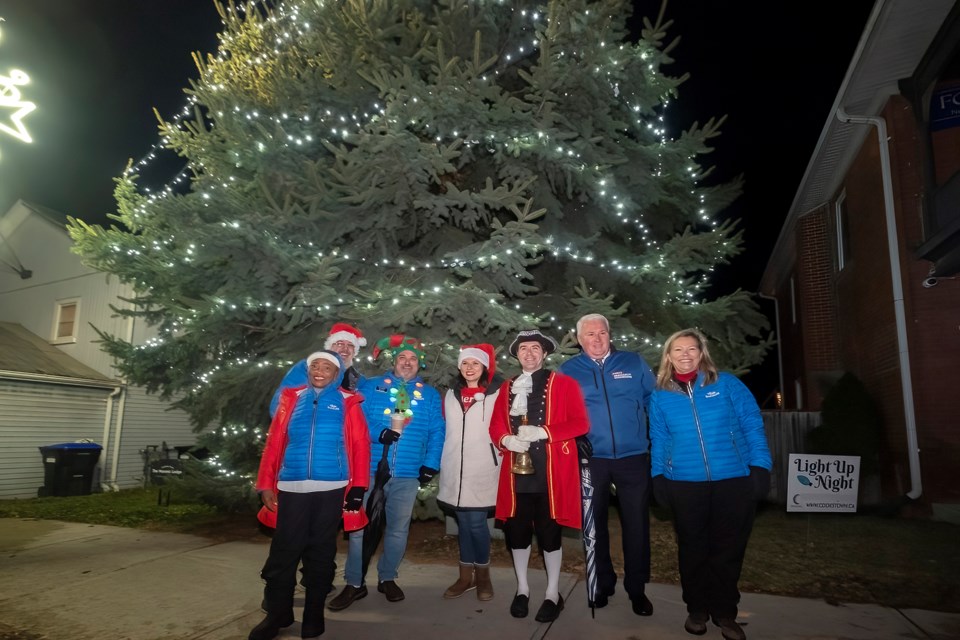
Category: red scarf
[685,377]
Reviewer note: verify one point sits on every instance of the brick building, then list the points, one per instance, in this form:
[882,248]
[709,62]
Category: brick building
[866,270]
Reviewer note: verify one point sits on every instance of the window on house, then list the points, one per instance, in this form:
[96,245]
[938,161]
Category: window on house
[843,233]
[66,320]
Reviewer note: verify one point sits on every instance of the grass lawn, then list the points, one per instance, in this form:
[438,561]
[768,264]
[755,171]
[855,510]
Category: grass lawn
[903,563]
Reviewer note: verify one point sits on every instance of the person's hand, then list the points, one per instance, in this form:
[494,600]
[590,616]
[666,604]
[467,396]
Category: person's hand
[269,499]
[584,448]
[761,482]
[354,499]
[426,475]
[515,444]
[388,436]
[530,433]
[660,491]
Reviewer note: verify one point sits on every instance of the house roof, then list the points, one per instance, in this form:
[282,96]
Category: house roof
[27,356]
[897,35]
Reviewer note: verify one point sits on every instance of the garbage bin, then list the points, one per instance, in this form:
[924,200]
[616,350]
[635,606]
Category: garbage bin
[68,468]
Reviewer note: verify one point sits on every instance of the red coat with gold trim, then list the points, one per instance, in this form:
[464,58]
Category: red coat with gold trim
[566,418]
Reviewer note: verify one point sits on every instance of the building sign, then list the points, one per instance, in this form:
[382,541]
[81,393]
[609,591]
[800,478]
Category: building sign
[823,483]
[945,107]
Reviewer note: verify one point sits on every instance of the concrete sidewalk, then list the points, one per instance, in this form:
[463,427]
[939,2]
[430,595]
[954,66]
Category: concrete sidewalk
[89,582]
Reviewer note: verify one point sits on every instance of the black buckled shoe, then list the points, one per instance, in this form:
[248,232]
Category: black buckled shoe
[641,605]
[346,597]
[392,590]
[520,606]
[550,610]
[696,624]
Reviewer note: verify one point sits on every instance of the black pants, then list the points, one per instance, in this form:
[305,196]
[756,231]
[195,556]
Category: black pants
[532,514]
[712,521]
[307,525]
[631,476]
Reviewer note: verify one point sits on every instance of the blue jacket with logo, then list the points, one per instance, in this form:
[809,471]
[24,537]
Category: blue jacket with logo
[713,433]
[314,430]
[422,439]
[616,399]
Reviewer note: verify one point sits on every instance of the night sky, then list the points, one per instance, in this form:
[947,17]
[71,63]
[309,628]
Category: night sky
[99,67]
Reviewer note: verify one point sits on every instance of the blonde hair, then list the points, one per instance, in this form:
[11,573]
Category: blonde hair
[665,372]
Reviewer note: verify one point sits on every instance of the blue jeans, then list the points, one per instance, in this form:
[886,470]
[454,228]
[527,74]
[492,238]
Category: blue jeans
[473,537]
[400,495]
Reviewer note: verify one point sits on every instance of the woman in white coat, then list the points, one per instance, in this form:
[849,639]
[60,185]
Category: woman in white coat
[470,467]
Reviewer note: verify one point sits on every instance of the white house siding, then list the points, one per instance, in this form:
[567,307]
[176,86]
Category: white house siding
[34,415]
[147,420]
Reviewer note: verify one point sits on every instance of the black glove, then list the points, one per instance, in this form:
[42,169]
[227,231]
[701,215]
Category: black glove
[354,499]
[389,436]
[660,491]
[426,475]
[761,482]
[584,448]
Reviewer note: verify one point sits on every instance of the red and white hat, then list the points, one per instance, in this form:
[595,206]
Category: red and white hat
[482,352]
[344,331]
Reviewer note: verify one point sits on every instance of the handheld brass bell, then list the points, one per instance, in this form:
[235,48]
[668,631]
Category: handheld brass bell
[522,462]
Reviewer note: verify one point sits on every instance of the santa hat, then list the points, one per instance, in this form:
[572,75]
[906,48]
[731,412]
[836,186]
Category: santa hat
[344,331]
[332,356]
[398,343]
[482,352]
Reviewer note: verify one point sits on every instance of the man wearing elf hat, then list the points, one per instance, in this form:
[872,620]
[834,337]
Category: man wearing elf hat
[539,413]
[346,341]
[403,413]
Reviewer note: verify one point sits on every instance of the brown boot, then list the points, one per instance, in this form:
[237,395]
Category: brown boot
[463,584]
[484,586]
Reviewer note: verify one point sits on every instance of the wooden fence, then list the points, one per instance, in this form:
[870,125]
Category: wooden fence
[786,433]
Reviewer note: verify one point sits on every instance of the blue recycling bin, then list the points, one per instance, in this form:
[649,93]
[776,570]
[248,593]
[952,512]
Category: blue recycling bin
[68,468]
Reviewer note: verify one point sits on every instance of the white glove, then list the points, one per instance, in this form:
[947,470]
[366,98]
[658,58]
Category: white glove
[529,433]
[515,444]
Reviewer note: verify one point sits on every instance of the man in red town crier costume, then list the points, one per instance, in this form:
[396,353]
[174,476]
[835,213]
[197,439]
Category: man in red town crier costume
[538,412]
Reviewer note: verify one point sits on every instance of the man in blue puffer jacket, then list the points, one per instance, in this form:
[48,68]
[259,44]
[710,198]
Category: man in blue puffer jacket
[403,413]
[616,386]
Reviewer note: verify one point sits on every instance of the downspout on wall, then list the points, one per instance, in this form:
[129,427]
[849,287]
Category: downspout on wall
[115,463]
[105,485]
[893,248]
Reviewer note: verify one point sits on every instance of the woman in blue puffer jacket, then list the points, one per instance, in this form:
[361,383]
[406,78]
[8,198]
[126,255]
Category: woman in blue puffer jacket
[710,463]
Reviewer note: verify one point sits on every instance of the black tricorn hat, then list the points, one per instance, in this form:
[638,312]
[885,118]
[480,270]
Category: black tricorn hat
[533,335]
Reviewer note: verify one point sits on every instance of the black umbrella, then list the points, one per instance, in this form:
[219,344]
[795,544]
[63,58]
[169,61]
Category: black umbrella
[376,511]
[589,528]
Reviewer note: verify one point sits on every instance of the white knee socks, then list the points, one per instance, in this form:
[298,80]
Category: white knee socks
[552,560]
[521,558]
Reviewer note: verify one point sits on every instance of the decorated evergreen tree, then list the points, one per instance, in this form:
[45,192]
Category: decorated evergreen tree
[455,170]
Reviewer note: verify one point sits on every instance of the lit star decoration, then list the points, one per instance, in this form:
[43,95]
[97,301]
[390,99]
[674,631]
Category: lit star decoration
[10,98]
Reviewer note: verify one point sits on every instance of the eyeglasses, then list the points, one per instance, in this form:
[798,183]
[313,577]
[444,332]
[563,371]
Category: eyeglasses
[343,344]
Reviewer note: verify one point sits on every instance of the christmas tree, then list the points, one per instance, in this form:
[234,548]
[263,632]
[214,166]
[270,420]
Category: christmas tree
[455,170]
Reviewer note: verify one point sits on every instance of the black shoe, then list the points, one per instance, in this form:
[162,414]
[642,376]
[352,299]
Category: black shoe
[603,596]
[550,610]
[696,624]
[392,590]
[730,630]
[642,605]
[271,625]
[312,628]
[520,606]
[347,597]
